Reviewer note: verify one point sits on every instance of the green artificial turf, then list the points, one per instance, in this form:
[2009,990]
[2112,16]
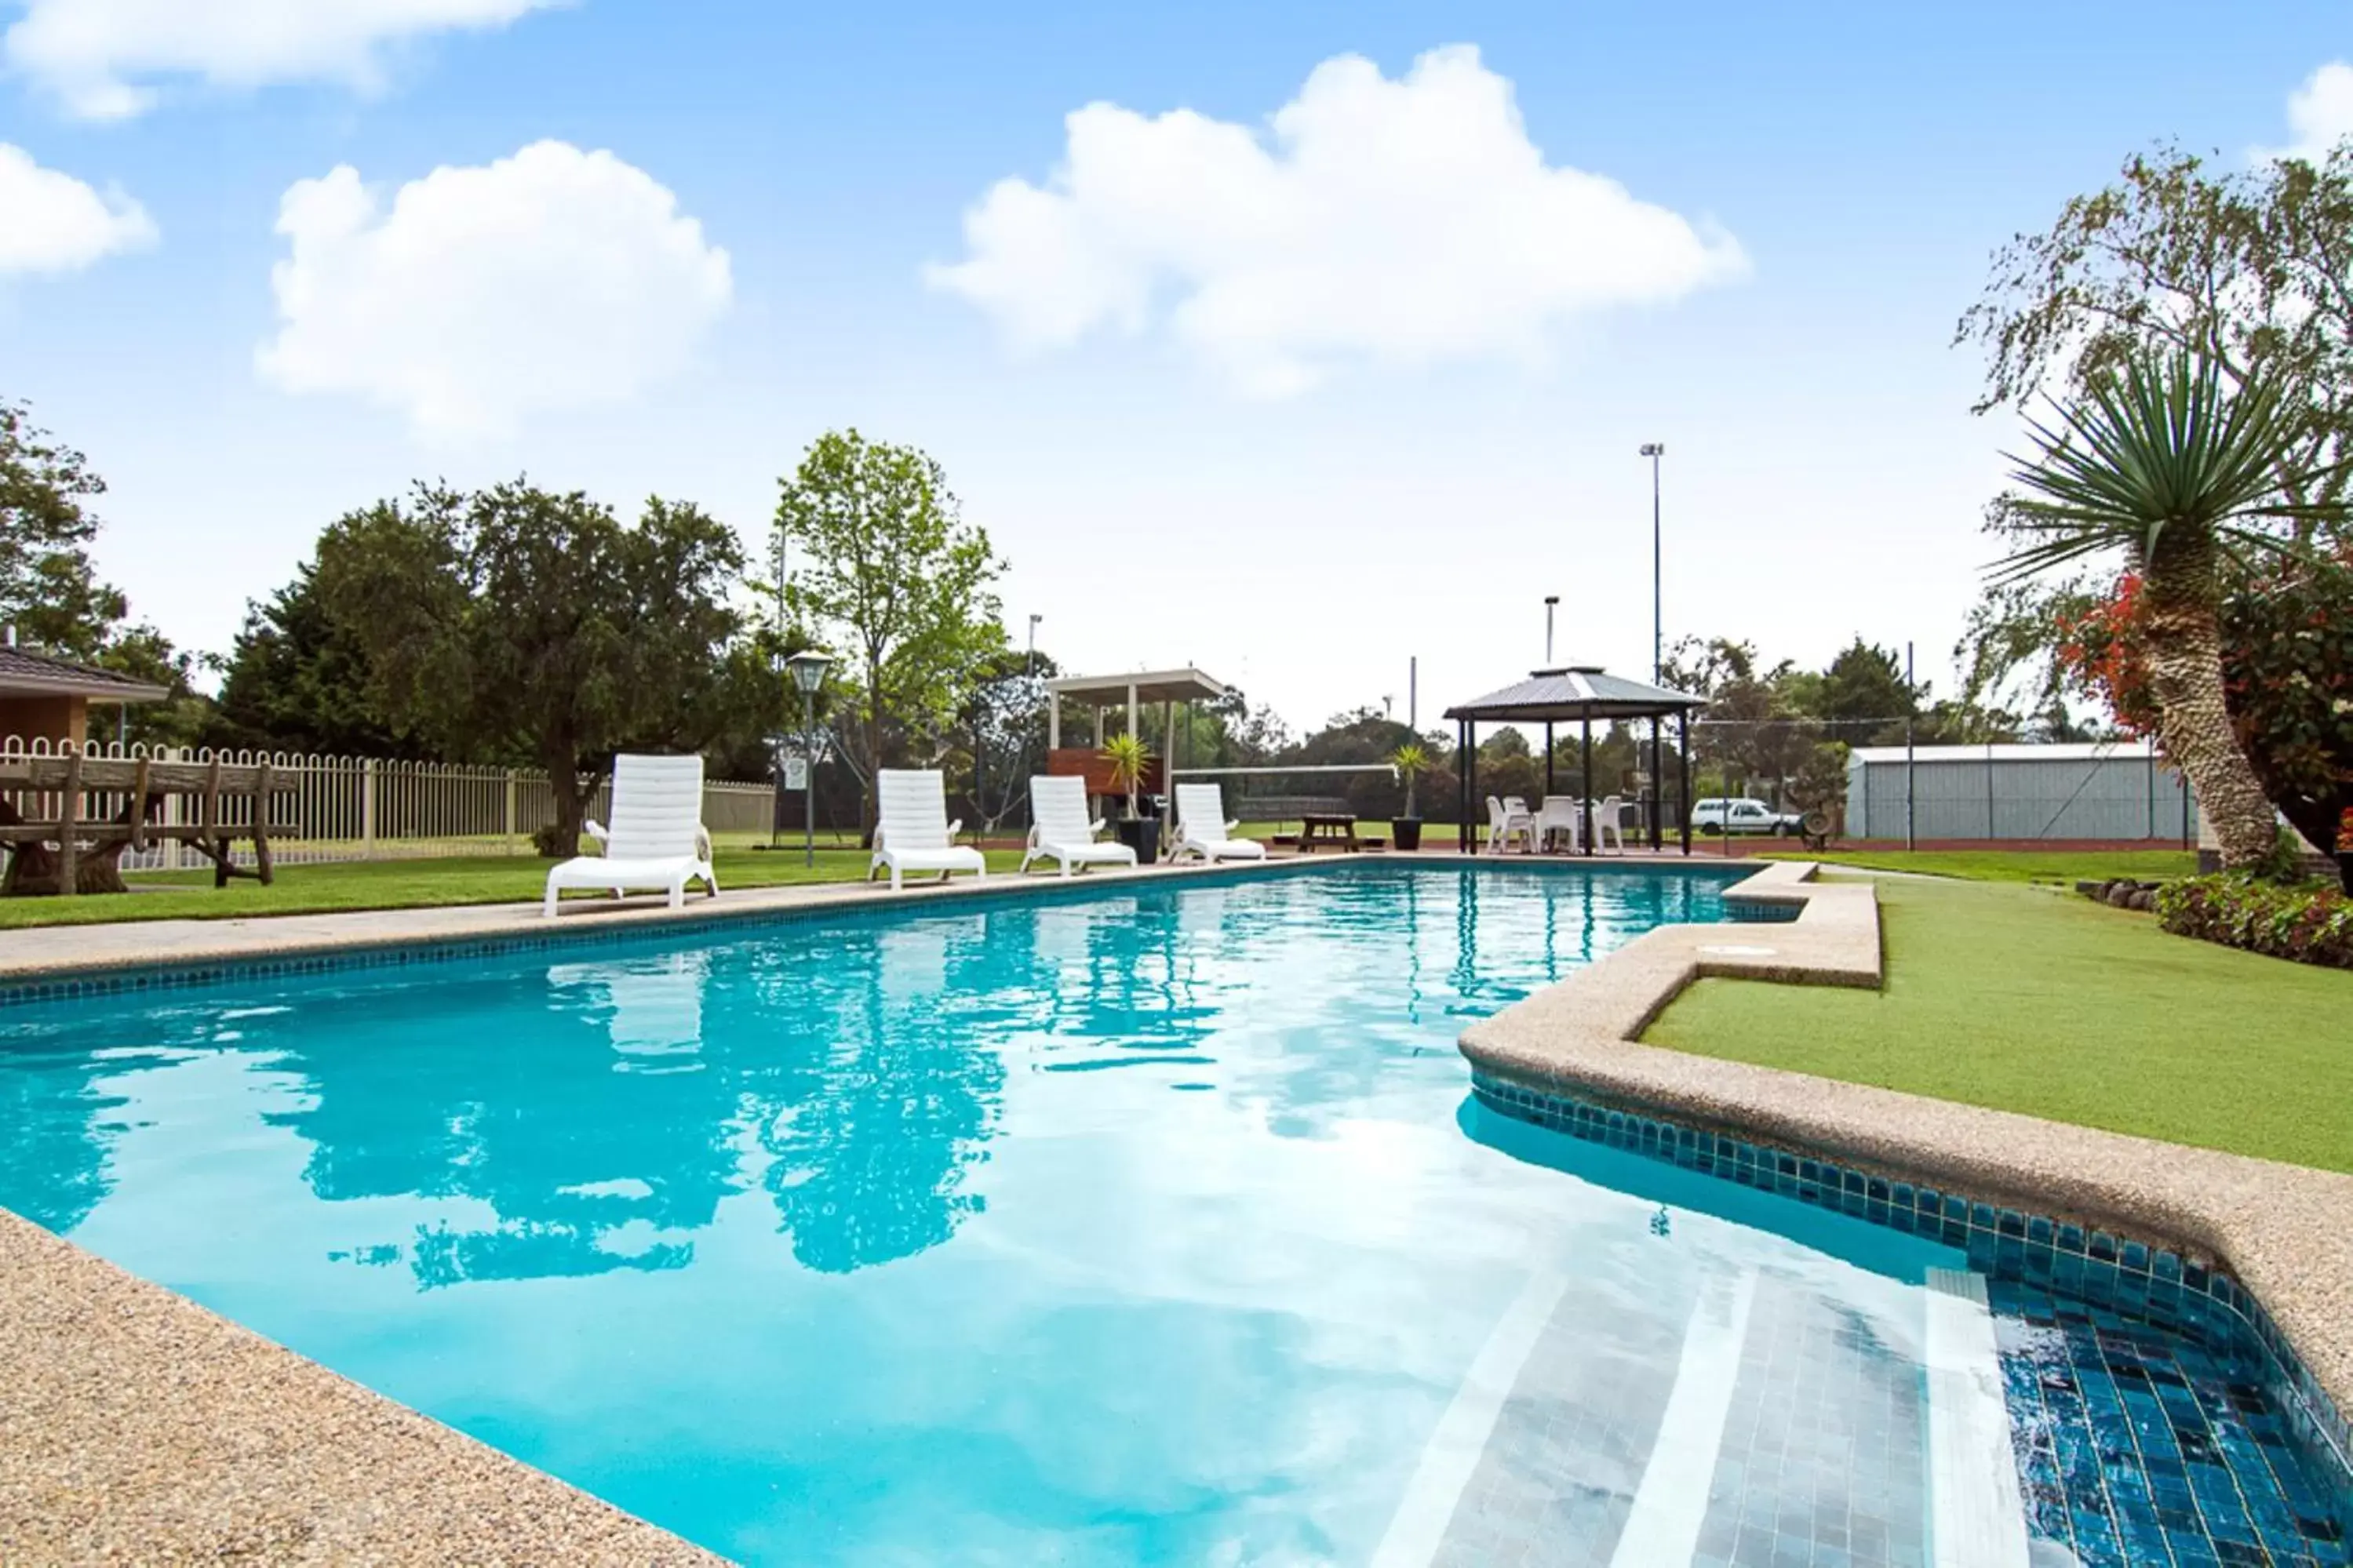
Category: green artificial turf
[2034,1001]
[2067,866]
[401,884]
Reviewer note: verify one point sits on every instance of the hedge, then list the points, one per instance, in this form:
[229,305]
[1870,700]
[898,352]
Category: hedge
[2311,924]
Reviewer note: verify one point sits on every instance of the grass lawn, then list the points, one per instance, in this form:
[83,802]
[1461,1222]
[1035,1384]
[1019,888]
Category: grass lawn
[400,884]
[2061,866]
[2030,1001]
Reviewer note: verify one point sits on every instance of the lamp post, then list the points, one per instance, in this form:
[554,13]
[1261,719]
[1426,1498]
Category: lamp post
[808,667]
[1034,619]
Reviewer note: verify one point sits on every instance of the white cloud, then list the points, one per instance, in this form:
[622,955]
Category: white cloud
[2319,114]
[54,222]
[552,279]
[97,54]
[1409,220]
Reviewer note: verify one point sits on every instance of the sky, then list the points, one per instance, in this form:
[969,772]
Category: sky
[1295,342]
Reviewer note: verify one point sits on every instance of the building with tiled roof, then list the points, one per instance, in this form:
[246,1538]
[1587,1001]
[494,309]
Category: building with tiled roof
[47,698]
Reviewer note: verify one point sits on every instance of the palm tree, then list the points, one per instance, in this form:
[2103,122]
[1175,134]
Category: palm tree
[2158,457]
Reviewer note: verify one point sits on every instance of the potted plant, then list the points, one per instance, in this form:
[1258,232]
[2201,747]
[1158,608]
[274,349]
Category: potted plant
[1128,761]
[1412,761]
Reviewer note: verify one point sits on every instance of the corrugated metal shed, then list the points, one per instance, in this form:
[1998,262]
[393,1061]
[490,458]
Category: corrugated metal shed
[2106,789]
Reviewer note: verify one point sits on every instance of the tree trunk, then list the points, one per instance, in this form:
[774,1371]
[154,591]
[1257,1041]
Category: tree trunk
[560,839]
[2185,663]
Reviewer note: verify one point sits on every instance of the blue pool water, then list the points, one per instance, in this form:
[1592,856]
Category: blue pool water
[1105,1227]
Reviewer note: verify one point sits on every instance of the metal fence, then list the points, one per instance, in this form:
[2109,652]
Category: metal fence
[371,808]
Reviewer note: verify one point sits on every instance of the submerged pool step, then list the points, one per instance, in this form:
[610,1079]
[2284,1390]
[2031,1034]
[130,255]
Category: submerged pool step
[1670,1504]
[1977,1514]
[1558,1456]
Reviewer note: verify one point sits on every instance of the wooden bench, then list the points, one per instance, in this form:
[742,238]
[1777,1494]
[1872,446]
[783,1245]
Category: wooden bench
[65,821]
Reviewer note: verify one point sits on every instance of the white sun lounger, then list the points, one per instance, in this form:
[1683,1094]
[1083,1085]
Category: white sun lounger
[655,842]
[1202,827]
[913,833]
[1061,833]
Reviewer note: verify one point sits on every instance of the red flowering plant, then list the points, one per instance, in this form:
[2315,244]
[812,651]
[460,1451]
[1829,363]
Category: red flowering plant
[2287,671]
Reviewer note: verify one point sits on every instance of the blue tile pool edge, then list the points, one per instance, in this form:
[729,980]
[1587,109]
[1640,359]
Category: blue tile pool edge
[715,916]
[2068,1258]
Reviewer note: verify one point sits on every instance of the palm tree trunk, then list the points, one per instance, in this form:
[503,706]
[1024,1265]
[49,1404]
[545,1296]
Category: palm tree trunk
[2184,643]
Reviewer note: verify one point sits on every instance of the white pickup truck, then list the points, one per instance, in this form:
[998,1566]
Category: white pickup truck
[1723,815]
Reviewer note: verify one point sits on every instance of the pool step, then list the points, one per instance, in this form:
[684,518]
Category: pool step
[1977,1514]
[1670,1504]
[1560,1455]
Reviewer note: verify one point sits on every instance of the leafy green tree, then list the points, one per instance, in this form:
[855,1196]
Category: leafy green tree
[884,568]
[2246,271]
[298,679]
[2159,461]
[1863,697]
[50,590]
[518,623]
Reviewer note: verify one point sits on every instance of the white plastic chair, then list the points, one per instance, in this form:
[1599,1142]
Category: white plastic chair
[656,841]
[1507,819]
[912,831]
[1060,830]
[1609,824]
[1202,827]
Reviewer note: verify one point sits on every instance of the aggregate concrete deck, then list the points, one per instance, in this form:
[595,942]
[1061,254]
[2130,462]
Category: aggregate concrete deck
[2284,1231]
[135,1426]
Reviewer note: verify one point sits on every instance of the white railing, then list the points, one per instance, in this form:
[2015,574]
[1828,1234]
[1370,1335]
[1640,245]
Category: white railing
[371,808]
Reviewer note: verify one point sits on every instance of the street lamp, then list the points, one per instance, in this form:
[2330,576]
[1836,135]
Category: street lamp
[808,669]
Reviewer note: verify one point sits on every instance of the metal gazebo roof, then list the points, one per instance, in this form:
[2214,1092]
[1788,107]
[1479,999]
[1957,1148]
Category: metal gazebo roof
[1576,692]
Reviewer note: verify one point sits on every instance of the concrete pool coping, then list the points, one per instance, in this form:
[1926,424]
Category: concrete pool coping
[2285,1232]
[137,1425]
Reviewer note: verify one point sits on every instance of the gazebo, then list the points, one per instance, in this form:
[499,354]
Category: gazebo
[1580,693]
[1137,694]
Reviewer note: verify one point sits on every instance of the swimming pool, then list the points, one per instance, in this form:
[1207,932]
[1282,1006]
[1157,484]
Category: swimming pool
[1138,1224]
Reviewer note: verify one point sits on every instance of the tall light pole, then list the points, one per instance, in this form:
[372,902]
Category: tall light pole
[1034,619]
[1550,601]
[808,669]
[1654,450]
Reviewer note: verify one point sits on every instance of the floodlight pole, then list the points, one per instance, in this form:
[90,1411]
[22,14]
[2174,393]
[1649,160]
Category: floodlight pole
[1654,450]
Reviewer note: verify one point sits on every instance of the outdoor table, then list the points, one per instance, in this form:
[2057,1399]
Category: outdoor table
[1339,829]
[65,821]
[1561,813]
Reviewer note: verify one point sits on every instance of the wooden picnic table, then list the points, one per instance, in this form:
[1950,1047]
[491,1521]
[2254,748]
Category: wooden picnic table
[1338,827]
[65,821]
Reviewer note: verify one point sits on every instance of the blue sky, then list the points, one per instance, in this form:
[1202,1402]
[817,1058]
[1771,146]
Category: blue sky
[1354,412]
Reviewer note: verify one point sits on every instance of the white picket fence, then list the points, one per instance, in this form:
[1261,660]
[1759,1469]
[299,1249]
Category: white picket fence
[371,809]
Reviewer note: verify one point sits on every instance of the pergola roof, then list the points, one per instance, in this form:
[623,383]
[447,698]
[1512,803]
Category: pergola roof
[1185,685]
[1576,692]
[24,673]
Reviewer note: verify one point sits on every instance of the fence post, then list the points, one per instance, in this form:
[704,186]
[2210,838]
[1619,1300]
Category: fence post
[510,812]
[367,809]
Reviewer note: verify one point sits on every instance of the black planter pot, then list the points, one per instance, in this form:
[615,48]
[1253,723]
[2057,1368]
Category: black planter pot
[1141,834]
[1406,832]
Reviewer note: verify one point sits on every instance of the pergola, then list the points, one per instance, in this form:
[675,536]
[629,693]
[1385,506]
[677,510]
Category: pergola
[1582,693]
[1134,693]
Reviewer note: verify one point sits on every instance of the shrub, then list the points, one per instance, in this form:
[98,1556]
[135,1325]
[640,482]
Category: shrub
[2310,924]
